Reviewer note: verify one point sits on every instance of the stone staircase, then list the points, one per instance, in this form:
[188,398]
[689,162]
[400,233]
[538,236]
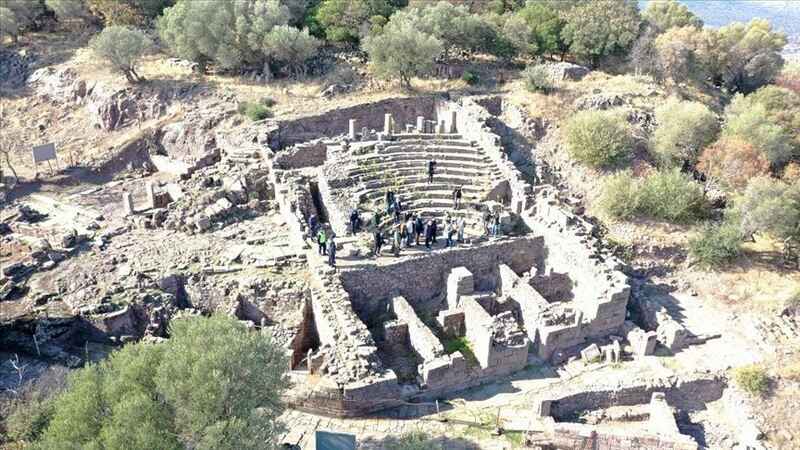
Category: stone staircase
[402,166]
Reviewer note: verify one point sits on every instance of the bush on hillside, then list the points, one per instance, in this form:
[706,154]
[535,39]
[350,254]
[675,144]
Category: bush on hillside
[291,47]
[32,406]
[453,25]
[752,379]
[135,13]
[66,10]
[122,47]
[732,163]
[213,385]
[748,55]
[470,77]
[673,196]
[254,111]
[684,129]
[751,122]
[771,207]
[411,441]
[538,79]
[599,138]
[716,244]
[18,15]
[535,30]
[665,195]
[620,195]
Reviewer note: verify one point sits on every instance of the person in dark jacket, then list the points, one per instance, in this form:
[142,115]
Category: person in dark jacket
[435,231]
[355,221]
[431,170]
[378,237]
[419,228]
[428,234]
[457,194]
[313,223]
[331,252]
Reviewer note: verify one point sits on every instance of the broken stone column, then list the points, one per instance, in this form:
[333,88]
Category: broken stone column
[151,194]
[420,124]
[442,127]
[387,124]
[127,203]
[453,117]
[642,342]
[351,133]
[459,282]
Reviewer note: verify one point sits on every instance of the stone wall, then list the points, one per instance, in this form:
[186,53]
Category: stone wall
[336,122]
[576,435]
[422,339]
[421,279]
[307,154]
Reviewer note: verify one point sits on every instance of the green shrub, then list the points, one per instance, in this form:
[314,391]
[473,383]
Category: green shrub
[666,195]
[673,196]
[599,138]
[470,77]
[538,79]
[684,129]
[31,409]
[254,111]
[213,385]
[620,196]
[752,379]
[415,440]
[716,245]
[269,102]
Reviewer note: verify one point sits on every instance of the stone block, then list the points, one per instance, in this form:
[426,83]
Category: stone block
[420,124]
[351,130]
[452,322]
[459,282]
[591,354]
[127,203]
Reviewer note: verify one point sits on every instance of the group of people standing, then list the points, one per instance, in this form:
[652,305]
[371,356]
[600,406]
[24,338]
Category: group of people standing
[325,239]
[410,231]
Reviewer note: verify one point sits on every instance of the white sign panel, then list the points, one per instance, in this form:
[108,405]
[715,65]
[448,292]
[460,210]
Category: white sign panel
[44,152]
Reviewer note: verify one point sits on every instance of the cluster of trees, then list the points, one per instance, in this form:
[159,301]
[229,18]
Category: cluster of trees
[739,57]
[213,385]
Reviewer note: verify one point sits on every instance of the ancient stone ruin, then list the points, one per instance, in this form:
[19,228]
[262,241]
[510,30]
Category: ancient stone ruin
[379,331]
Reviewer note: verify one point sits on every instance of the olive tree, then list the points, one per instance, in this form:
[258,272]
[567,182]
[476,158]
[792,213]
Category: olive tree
[684,129]
[69,9]
[16,16]
[213,385]
[122,47]
[536,30]
[342,20]
[666,14]
[230,33]
[453,25]
[599,138]
[291,47]
[601,28]
[402,51]
[750,55]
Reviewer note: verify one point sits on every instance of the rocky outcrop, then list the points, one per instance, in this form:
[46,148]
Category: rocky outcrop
[566,71]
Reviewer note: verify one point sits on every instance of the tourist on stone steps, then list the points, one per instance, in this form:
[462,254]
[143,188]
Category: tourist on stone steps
[451,231]
[397,215]
[447,219]
[396,241]
[321,241]
[402,227]
[487,222]
[331,252]
[457,197]
[313,223]
[410,232]
[355,221]
[389,201]
[428,234]
[496,224]
[461,225]
[376,219]
[378,241]
[431,170]
[435,227]
[419,228]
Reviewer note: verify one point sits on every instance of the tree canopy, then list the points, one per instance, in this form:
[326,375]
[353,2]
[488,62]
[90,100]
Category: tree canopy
[343,20]
[122,47]
[601,28]
[666,14]
[401,51]
[213,385]
[684,129]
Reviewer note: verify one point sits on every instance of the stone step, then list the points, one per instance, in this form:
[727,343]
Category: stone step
[438,191]
[428,149]
[428,137]
[422,179]
[369,175]
[421,157]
